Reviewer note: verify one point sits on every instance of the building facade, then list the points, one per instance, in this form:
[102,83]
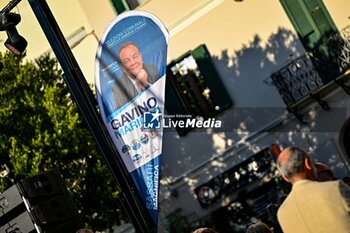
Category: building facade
[273,60]
[275,73]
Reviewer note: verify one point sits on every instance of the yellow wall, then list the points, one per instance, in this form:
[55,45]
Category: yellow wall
[67,13]
[99,14]
[70,16]
[340,12]
[226,24]
[220,24]
[170,12]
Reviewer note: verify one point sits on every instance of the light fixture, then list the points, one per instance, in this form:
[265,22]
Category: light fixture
[15,42]
[8,21]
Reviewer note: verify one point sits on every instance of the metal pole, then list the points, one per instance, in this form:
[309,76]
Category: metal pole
[79,89]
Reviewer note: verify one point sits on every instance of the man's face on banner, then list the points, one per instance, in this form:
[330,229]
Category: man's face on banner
[131,60]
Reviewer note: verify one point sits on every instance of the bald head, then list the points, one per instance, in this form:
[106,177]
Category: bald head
[295,164]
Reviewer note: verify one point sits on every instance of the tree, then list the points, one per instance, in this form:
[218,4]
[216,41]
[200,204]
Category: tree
[42,129]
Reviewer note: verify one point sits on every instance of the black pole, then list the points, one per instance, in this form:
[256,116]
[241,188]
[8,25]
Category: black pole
[81,92]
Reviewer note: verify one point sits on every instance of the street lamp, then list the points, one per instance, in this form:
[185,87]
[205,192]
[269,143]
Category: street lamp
[8,21]
[15,42]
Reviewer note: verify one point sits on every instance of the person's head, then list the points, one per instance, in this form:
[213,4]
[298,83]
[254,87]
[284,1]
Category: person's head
[130,59]
[84,231]
[205,230]
[258,227]
[295,164]
[324,173]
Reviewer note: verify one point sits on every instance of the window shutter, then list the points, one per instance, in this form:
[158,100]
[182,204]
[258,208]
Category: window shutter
[310,19]
[194,87]
[221,98]
[321,17]
[119,6]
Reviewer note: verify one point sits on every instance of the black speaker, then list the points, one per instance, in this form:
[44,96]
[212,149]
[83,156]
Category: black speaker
[20,224]
[43,186]
[10,201]
[38,204]
[55,211]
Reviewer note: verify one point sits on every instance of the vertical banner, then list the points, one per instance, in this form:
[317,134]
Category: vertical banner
[130,74]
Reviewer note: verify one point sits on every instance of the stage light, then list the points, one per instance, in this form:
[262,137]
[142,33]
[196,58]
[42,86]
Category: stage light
[15,42]
[8,21]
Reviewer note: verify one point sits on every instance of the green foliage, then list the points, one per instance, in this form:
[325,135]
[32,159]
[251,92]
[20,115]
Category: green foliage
[41,129]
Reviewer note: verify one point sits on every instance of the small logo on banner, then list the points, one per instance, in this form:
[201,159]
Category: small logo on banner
[144,138]
[154,133]
[135,144]
[126,148]
[145,153]
[152,120]
[136,158]
[154,149]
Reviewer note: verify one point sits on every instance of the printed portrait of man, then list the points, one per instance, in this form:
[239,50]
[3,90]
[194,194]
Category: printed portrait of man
[136,76]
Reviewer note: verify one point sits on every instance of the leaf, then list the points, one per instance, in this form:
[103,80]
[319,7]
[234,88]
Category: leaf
[41,128]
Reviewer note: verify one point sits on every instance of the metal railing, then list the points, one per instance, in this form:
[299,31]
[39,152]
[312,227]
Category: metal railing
[304,76]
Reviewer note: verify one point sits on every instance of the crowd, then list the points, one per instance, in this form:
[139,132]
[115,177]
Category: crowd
[317,203]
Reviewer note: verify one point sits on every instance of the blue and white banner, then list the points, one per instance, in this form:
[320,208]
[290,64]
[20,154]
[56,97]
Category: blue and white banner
[130,73]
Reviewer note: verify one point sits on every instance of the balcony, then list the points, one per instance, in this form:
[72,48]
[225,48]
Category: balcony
[314,74]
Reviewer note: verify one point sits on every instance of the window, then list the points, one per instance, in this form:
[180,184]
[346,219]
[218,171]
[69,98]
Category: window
[311,20]
[194,87]
[260,167]
[123,5]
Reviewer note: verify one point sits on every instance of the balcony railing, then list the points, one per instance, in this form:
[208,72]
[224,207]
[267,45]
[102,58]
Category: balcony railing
[304,77]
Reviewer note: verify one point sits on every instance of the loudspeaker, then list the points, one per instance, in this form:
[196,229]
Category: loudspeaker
[54,211]
[43,186]
[10,201]
[20,224]
[38,204]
